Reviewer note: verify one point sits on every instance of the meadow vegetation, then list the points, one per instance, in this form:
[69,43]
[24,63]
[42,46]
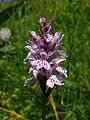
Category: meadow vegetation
[71,101]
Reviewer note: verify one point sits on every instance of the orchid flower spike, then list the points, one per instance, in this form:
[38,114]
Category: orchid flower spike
[41,50]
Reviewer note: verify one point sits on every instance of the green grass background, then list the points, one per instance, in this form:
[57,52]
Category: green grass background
[72,18]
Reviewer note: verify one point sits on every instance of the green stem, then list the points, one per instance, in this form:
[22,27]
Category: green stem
[44,102]
[45,96]
[49,92]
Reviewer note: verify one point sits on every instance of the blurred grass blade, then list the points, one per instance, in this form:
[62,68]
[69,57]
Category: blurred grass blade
[12,113]
[54,107]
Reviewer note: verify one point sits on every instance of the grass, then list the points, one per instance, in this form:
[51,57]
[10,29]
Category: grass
[72,100]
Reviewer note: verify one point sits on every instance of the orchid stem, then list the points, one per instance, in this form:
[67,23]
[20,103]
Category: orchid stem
[45,95]
[44,102]
[49,92]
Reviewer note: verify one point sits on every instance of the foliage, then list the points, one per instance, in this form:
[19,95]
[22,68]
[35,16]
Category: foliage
[24,103]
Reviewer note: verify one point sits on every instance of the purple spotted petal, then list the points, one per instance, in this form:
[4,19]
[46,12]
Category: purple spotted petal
[37,38]
[43,64]
[31,55]
[59,41]
[30,44]
[60,60]
[53,81]
[39,54]
[57,36]
[35,72]
[62,71]
[56,61]
[62,53]
[44,56]
[48,37]
[40,64]
[33,34]
[50,83]
[33,63]
[51,53]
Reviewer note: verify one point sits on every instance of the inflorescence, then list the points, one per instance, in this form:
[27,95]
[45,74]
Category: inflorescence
[41,57]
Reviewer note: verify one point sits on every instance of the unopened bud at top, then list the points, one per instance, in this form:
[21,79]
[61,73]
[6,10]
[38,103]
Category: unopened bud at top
[42,21]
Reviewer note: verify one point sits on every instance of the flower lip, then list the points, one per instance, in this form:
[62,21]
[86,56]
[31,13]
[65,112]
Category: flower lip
[53,81]
[62,71]
[41,64]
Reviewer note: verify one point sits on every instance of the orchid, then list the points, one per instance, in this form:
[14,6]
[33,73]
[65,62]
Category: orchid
[41,57]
